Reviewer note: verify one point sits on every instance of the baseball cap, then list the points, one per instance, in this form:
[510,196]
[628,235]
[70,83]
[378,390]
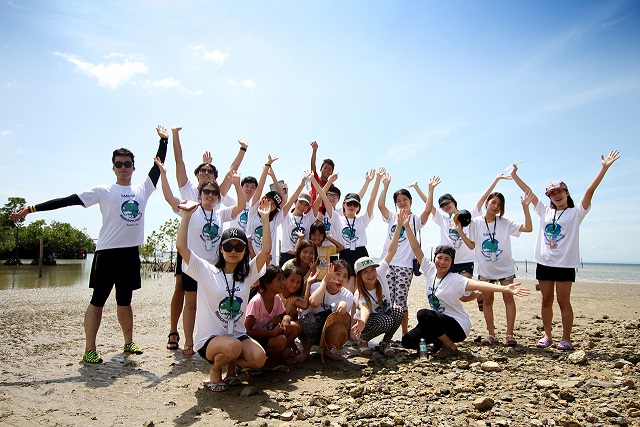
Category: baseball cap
[273,195]
[463,217]
[555,185]
[363,263]
[233,234]
[305,197]
[446,198]
[352,197]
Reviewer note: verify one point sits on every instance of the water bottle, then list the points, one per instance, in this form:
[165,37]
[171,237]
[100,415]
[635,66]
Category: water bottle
[334,307]
[423,351]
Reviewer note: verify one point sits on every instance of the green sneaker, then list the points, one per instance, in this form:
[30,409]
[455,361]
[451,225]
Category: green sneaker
[91,356]
[132,348]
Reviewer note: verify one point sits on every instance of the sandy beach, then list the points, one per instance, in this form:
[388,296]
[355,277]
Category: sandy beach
[44,382]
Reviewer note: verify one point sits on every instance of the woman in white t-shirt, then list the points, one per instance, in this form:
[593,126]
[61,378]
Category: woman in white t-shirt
[489,236]
[557,250]
[376,314]
[400,272]
[223,294]
[445,322]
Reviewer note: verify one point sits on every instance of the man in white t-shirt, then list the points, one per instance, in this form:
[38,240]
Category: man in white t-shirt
[116,261]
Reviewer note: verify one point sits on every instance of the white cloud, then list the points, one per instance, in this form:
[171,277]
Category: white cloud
[110,75]
[169,83]
[4,133]
[215,55]
[249,83]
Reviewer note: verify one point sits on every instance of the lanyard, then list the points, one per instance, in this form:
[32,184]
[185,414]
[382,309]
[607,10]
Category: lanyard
[434,287]
[210,219]
[372,297]
[495,223]
[231,292]
[558,220]
[298,224]
[351,226]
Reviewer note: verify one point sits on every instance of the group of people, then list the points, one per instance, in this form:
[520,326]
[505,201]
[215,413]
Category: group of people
[244,308]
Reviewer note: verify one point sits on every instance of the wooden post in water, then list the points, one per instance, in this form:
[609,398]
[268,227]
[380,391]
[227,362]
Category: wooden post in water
[40,260]
[525,266]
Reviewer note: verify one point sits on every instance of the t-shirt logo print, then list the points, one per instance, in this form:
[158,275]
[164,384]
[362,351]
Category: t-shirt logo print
[130,211]
[244,217]
[349,234]
[210,231]
[403,235]
[294,236]
[491,250]
[553,232]
[229,311]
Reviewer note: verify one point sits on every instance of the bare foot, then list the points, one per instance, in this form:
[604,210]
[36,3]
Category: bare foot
[333,356]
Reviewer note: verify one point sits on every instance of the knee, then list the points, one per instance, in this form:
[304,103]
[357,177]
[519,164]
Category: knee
[255,358]
[564,302]
[279,342]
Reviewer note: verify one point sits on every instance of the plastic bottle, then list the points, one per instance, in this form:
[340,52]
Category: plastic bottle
[423,351]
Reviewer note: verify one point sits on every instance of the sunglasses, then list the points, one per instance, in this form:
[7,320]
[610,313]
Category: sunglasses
[204,170]
[208,192]
[238,247]
[353,204]
[126,164]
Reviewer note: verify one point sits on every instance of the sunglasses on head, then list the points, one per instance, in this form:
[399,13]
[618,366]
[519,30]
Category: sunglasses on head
[353,204]
[238,247]
[205,170]
[126,164]
[208,192]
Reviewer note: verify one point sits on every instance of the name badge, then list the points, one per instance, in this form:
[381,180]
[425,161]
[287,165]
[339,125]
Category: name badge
[208,244]
[230,326]
[352,246]
[553,244]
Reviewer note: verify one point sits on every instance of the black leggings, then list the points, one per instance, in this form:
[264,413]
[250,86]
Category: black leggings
[432,325]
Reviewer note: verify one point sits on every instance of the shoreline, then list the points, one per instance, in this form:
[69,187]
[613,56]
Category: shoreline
[44,381]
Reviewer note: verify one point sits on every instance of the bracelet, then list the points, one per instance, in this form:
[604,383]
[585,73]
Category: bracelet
[268,165]
[164,140]
[31,209]
[243,149]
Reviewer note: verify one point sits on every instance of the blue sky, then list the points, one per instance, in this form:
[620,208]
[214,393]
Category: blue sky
[456,89]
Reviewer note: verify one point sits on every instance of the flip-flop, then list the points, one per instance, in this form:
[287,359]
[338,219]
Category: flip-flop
[252,372]
[187,350]
[565,345]
[480,304]
[279,368]
[232,381]
[389,352]
[445,352]
[544,342]
[221,386]
[511,341]
[489,340]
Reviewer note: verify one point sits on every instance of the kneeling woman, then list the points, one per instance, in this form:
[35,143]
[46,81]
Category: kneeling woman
[445,322]
[223,294]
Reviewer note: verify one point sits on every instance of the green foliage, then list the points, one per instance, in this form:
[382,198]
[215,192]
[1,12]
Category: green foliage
[59,238]
[160,242]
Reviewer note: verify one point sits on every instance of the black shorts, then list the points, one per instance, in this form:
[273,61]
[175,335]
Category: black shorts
[464,267]
[119,267]
[189,284]
[203,350]
[555,274]
[352,256]
[179,265]
[284,257]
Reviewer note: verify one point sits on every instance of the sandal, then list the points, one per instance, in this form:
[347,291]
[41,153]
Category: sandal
[232,381]
[279,368]
[366,350]
[388,351]
[446,352]
[544,342]
[480,304]
[252,372]
[132,348]
[173,344]
[187,350]
[565,345]
[221,386]
[489,340]
[511,341]
[91,356]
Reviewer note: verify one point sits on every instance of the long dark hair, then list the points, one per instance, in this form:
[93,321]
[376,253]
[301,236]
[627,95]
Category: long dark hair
[363,291]
[269,276]
[404,192]
[292,269]
[242,268]
[341,264]
[570,203]
[304,244]
[500,197]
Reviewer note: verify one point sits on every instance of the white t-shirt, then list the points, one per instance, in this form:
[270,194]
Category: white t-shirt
[254,231]
[380,307]
[404,254]
[353,231]
[328,299]
[240,221]
[559,246]
[448,292]
[292,224]
[122,208]
[205,231]
[493,246]
[332,225]
[449,235]
[213,305]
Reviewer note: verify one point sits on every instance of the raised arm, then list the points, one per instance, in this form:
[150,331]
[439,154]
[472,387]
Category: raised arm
[428,206]
[294,196]
[323,196]
[183,232]
[416,187]
[314,149]
[606,164]
[527,227]
[50,205]
[234,178]
[368,177]
[524,187]
[374,191]
[470,243]
[317,296]
[166,188]
[386,179]
[493,184]
[403,221]
[181,171]
[263,177]
[393,244]
[264,255]
[226,184]
[154,173]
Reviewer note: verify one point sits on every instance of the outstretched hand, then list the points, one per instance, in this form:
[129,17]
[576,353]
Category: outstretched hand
[611,158]
[517,290]
[527,198]
[162,132]
[434,181]
[265,207]
[19,214]
[157,161]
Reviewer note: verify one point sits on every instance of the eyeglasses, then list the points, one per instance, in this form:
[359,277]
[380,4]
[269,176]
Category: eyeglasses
[207,192]
[126,164]
[238,247]
[204,170]
[333,196]
[353,204]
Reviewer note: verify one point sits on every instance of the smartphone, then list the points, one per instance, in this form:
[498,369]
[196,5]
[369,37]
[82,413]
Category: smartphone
[281,182]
